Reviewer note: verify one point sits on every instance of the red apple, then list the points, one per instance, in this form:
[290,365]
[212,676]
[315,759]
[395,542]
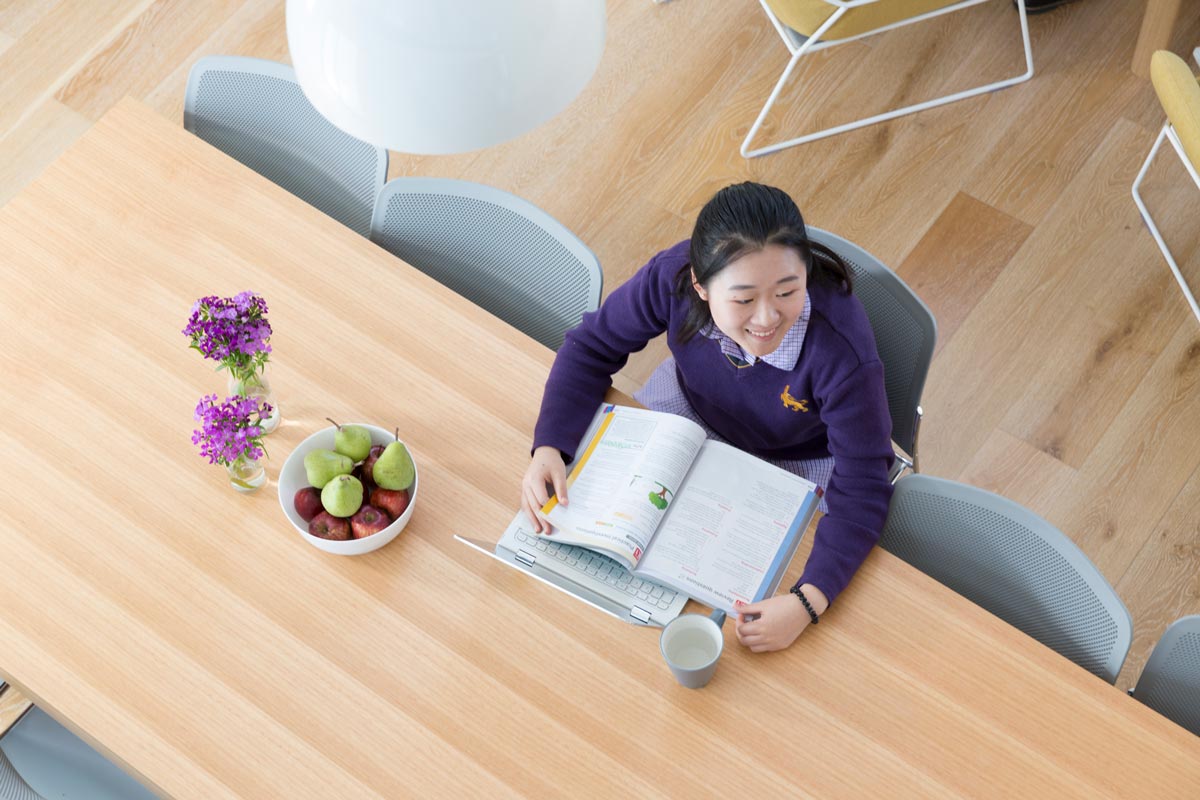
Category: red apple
[368,520]
[327,526]
[364,476]
[393,502]
[368,463]
[308,503]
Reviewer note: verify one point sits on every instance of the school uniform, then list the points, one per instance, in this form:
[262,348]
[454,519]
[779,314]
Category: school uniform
[816,406]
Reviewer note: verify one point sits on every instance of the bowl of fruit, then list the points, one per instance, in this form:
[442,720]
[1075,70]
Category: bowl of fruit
[349,489]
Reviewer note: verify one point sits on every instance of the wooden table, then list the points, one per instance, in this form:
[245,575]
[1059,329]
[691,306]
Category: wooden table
[192,635]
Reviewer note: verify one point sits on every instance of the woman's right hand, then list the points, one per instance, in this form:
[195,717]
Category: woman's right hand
[546,467]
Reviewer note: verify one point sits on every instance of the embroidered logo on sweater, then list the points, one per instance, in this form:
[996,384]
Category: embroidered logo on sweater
[791,402]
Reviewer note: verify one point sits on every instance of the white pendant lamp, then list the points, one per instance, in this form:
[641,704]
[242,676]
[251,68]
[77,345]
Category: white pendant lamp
[443,76]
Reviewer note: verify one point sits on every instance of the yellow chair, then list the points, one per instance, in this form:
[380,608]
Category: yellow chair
[810,25]
[1179,93]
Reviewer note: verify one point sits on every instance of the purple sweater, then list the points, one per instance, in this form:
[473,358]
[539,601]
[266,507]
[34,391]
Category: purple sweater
[838,374]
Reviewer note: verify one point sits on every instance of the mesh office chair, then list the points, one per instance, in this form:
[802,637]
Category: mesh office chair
[254,111]
[1013,563]
[497,250]
[1170,681]
[905,333]
[40,758]
[12,785]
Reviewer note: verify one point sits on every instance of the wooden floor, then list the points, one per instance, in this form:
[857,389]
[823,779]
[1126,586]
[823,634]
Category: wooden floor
[1067,368]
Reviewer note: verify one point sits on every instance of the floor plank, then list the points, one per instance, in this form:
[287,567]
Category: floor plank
[1033,339]
[254,30]
[52,49]
[1066,110]
[1100,322]
[142,54]
[951,272]
[17,17]
[1163,582]
[1015,469]
[1143,460]
[46,132]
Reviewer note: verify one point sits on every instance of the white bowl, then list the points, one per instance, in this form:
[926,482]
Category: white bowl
[293,478]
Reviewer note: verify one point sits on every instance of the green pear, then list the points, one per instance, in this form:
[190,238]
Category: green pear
[394,469]
[322,466]
[352,441]
[342,496]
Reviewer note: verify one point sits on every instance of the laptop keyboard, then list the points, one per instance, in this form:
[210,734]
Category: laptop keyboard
[600,568]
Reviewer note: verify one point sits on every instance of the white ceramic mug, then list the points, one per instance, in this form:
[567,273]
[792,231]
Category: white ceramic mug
[691,644]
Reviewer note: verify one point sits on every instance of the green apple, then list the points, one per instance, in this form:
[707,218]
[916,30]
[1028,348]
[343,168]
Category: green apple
[394,469]
[352,441]
[342,496]
[322,466]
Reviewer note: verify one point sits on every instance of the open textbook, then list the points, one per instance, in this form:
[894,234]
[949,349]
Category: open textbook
[708,520]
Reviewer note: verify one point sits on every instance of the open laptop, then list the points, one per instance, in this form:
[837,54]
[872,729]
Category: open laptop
[593,578]
[587,575]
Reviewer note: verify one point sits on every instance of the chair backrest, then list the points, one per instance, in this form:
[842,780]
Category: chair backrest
[1013,563]
[499,251]
[12,785]
[1179,93]
[255,111]
[59,764]
[905,333]
[1170,681]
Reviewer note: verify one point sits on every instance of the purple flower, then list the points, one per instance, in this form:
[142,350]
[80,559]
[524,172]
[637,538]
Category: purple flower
[230,429]
[233,331]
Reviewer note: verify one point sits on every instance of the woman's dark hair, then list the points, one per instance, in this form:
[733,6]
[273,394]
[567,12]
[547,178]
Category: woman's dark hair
[745,218]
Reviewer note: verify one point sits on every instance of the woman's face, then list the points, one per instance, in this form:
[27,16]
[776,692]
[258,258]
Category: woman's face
[757,297]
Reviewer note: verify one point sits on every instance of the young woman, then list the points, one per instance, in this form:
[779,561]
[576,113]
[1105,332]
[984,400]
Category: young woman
[772,353]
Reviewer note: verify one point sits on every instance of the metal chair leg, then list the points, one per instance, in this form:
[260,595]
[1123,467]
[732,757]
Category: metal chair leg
[1168,134]
[911,109]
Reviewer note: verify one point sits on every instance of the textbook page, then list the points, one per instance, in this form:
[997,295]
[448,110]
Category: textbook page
[624,482]
[732,529]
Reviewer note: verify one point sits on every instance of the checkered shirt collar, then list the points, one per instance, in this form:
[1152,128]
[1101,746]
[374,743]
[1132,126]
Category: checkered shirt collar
[784,357]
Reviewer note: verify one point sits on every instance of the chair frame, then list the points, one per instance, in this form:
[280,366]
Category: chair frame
[906,458]
[1167,133]
[814,43]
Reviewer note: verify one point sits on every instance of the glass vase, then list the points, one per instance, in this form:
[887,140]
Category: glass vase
[247,474]
[258,386]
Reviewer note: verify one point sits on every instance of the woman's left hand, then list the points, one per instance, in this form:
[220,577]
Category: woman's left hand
[780,620]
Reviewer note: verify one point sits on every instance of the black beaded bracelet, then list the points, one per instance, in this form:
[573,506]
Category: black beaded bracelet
[807,605]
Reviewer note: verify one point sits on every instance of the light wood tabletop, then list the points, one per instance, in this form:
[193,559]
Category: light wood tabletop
[194,637]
